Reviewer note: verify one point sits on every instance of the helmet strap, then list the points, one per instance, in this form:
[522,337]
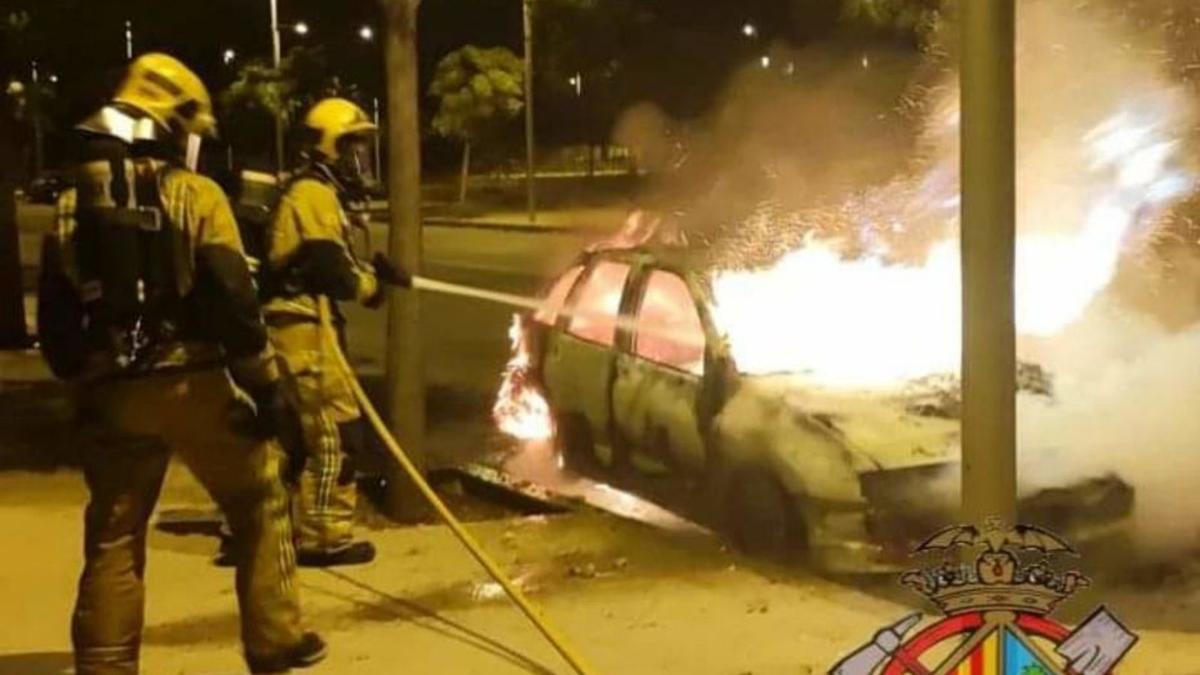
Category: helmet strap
[192,153]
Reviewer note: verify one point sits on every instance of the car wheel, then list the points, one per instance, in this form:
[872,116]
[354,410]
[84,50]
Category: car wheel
[762,518]
[576,445]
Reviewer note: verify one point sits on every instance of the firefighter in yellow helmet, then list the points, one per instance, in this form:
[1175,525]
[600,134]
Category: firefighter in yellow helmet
[146,302]
[311,264]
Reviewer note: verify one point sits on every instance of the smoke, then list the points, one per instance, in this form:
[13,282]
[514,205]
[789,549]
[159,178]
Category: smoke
[1126,399]
[1101,165]
[798,128]
[1125,383]
[864,148]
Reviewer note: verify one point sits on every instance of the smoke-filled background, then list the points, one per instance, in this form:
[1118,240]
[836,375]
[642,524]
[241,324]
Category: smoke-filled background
[830,144]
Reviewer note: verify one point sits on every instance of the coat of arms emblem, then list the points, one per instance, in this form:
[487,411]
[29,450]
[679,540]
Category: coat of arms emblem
[996,613]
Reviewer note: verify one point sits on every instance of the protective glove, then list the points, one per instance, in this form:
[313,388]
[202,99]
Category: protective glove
[390,273]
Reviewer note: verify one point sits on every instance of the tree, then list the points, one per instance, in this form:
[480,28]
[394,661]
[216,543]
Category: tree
[405,374]
[917,20]
[261,92]
[477,90]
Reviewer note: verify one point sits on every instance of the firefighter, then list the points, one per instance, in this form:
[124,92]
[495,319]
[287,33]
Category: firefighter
[147,302]
[310,264]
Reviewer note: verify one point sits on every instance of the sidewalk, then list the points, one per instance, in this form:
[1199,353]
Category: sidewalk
[633,600]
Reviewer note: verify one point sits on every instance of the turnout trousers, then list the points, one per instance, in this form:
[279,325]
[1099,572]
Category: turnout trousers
[324,495]
[141,423]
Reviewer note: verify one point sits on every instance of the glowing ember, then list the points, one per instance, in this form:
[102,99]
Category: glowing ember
[520,410]
[871,322]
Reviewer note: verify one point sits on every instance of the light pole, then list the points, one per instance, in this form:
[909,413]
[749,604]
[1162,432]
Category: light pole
[576,81]
[989,466]
[277,59]
[128,40]
[530,196]
[35,97]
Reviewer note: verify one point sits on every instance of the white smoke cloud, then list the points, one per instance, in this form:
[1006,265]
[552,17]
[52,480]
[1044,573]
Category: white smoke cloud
[1127,389]
[1127,402]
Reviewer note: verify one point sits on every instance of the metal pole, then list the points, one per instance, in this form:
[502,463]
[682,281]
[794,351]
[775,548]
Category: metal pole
[530,174]
[128,39]
[989,480]
[378,143]
[35,97]
[13,333]
[405,373]
[277,59]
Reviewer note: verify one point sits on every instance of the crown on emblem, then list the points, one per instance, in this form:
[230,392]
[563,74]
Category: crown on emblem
[997,580]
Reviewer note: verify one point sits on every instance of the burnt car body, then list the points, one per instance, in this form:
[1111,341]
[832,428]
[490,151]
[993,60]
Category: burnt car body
[640,383]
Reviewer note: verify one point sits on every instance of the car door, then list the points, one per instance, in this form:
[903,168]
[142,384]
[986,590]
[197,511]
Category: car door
[580,353]
[659,377]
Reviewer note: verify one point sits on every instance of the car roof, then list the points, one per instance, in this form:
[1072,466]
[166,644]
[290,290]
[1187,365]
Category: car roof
[682,259]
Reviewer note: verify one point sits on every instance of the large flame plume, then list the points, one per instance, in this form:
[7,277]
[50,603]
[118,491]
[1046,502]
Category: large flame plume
[874,319]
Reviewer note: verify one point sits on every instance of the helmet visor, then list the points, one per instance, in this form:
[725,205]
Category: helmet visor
[354,159]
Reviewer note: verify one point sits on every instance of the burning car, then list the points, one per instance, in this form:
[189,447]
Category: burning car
[626,366]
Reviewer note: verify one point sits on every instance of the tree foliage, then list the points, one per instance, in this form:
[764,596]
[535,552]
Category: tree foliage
[261,92]
[476,89]
[301,79]
[916,19]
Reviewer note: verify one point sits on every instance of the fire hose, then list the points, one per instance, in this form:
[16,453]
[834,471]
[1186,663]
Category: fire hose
[552,635]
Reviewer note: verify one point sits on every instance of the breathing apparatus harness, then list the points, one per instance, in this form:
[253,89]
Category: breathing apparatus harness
[125,250]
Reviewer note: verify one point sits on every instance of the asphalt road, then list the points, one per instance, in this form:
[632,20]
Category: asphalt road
[466,340]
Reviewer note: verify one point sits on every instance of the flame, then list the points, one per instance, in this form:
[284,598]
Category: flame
[871,321]
[520,410]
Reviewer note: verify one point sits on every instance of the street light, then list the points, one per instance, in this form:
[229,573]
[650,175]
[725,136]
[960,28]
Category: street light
[765,61]
[366,33]
[228,56]
[300,28]
[527,26]
[38,155]
[129,39]
[749,30]
[53,79]
[277,57]
[577,82]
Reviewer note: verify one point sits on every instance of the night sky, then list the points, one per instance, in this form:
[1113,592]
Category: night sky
[680,60]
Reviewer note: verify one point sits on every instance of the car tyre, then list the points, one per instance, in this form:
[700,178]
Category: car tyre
[761,516]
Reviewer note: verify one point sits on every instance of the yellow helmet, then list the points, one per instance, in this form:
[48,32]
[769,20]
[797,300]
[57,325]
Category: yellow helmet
[165,89]
[333,119]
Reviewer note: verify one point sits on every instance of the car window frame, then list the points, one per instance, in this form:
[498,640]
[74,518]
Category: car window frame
[567,311]
[633,306]
[548,289]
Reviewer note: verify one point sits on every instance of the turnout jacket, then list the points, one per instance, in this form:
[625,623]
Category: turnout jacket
[309,252]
